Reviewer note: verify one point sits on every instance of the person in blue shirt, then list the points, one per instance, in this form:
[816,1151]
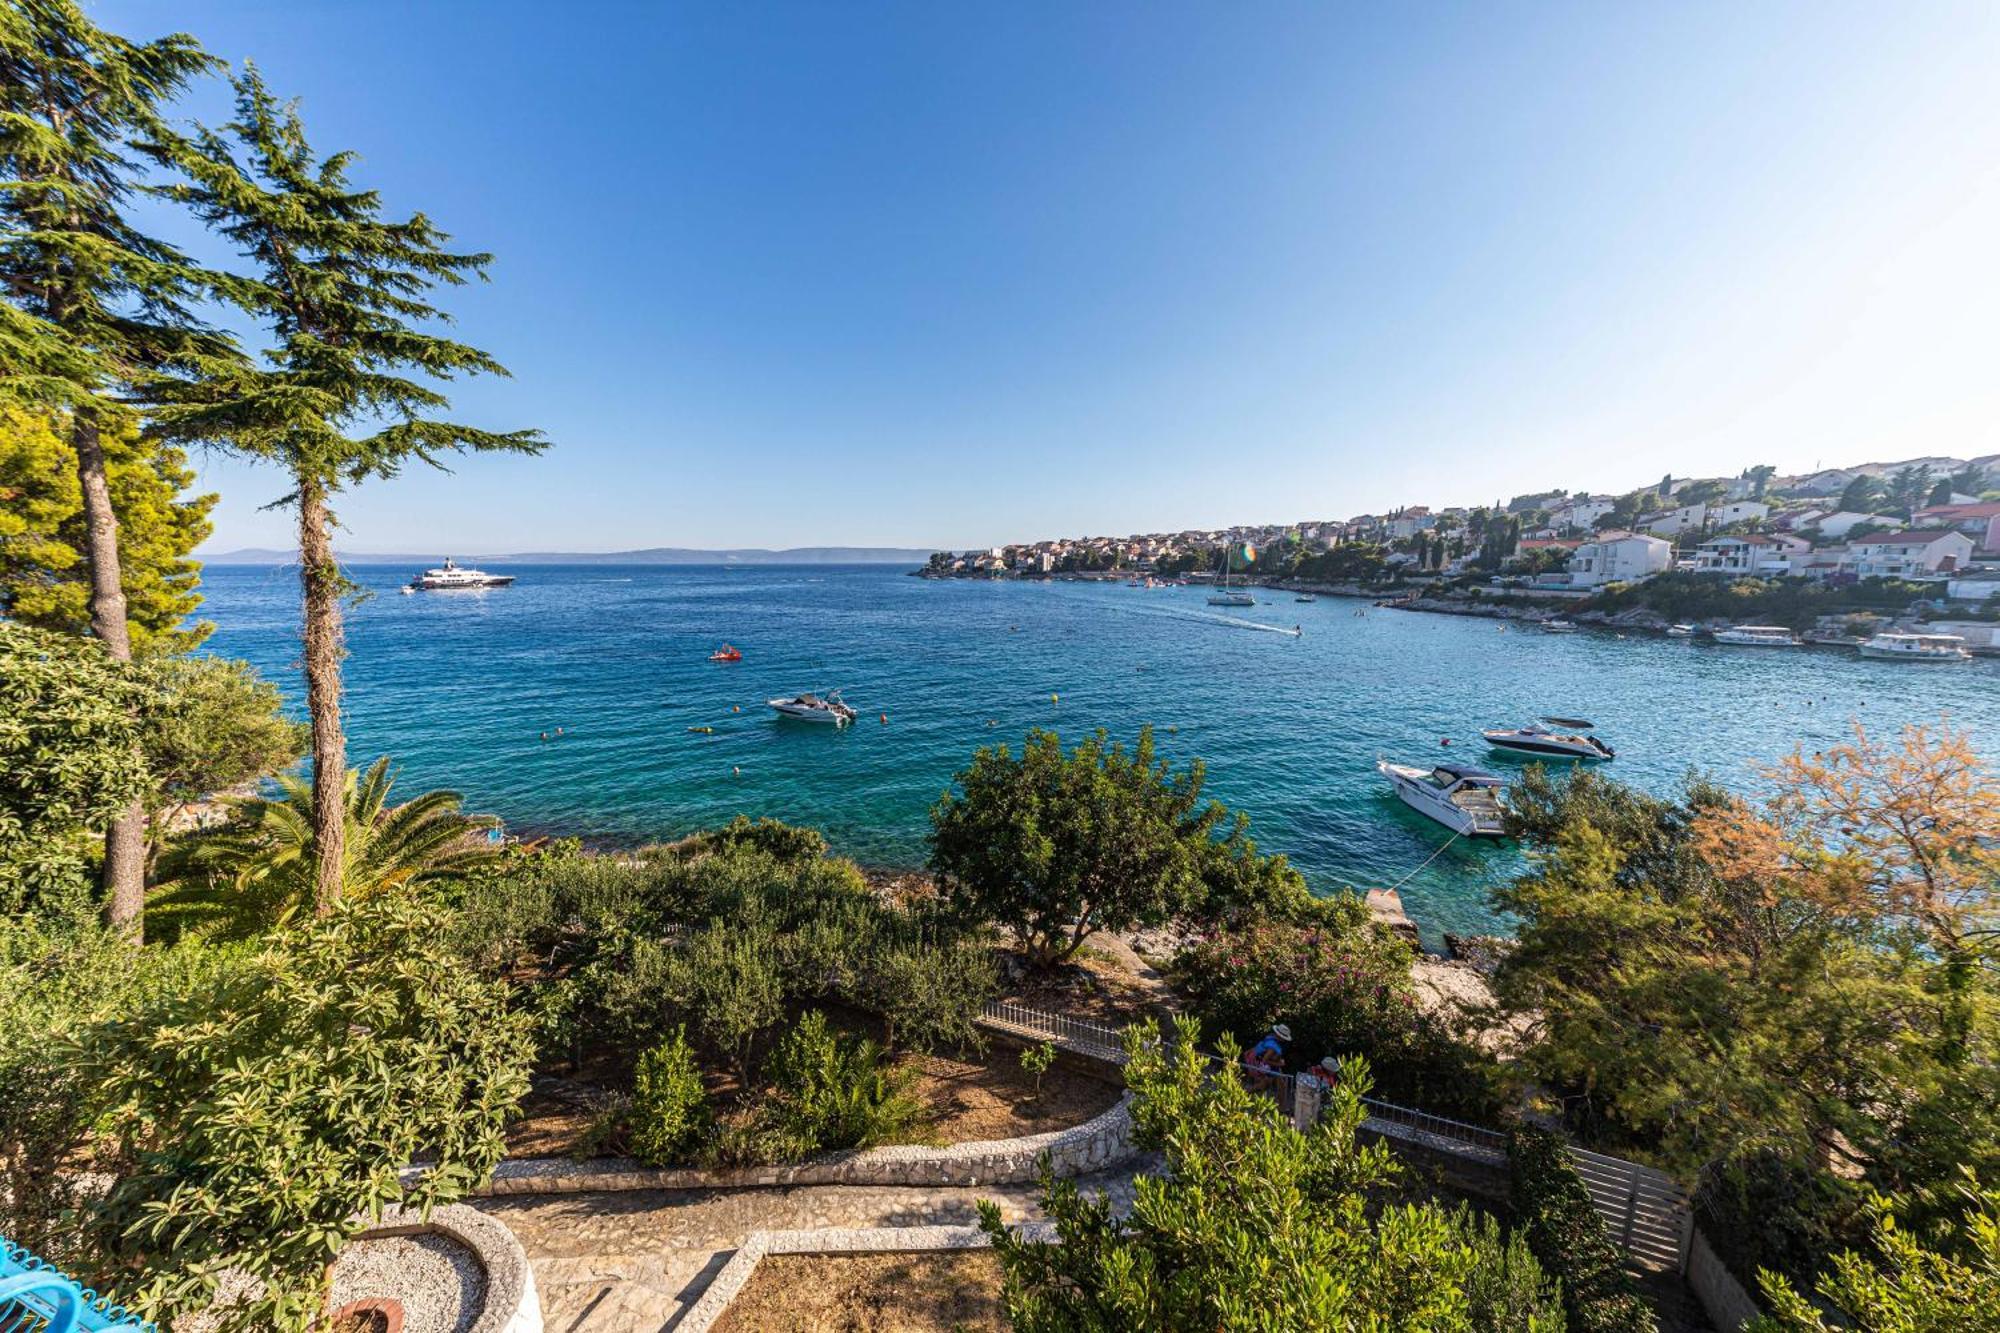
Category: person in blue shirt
[1267,1058]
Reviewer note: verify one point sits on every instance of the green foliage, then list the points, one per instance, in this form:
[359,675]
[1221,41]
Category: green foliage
[218,725]
[1343,990]
[669,1110]
[1036,1060]
[264,1117]
[930,995]
[69,762]
[1553,1208]
[832,1091]
[1678,595]
[1906,1286]
[724,935]
[58,980]
[1253,1226]
[45,544]
[1058,846]
[341,290]
[256,871]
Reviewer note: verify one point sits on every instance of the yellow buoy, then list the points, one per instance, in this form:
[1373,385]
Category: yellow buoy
[1055,698]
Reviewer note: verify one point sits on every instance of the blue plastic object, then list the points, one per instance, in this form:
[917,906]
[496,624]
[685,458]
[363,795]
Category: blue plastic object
[34,1295]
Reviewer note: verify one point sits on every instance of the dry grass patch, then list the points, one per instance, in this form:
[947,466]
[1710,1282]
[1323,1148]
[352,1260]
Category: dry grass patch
[930,1292]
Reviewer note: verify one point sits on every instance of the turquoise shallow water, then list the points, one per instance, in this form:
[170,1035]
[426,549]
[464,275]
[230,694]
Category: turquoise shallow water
[460,686]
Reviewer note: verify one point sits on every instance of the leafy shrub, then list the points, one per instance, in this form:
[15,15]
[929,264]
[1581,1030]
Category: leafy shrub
[1343,990]
[1552,1207]
[835,1092]
[1506,1288]
[264,1115]
[931,995]
[1254,1225]
[1906,1286]
[669,1110]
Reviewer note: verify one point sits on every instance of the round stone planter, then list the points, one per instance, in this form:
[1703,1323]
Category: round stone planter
[458,1271]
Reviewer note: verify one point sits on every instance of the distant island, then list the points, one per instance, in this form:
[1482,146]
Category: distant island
[651,555]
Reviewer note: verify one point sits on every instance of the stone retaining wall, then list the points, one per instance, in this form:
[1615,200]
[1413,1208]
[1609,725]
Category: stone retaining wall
[729,1283]
[1098,1143]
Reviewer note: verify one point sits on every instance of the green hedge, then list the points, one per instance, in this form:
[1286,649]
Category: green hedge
[1553,1207]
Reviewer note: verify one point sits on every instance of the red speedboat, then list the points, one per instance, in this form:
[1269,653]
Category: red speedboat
[726,653]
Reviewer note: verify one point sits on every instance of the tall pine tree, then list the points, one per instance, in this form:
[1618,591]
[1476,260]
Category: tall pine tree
[97,305]
[346,390]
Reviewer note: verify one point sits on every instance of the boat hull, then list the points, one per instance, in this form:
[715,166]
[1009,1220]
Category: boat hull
[459,585]
[1544,749]
[1232,600]
[1426,801]
[1904,655]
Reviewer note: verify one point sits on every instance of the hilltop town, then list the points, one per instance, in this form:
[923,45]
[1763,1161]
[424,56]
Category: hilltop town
[1888,533]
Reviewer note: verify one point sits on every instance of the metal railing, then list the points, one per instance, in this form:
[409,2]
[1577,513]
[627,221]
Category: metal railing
[1643,1209]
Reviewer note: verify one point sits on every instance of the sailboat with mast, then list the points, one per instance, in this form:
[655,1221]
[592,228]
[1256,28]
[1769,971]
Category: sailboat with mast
[1224,595]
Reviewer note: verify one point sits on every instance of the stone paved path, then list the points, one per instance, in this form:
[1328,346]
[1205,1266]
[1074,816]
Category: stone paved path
[632,1261]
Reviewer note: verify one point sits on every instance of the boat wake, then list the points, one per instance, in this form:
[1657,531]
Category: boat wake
[1212,618]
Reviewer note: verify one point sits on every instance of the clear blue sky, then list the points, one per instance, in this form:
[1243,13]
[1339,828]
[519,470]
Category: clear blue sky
[936,274]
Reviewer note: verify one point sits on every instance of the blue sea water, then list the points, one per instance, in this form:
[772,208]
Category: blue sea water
[459,688]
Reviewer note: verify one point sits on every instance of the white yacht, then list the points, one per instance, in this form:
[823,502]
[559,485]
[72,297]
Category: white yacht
[1901,647]
[1680,631]
[1758,636]
[1558,627]
[815,708]
[1464,800]
[1542,740]
[450,575]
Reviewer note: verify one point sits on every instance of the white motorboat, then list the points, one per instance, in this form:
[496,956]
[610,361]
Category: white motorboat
[1464,800]
[1758,636]
[1542,740]
[1680,631]
[1305,597]
[449,575]
[1899,647]
[815,708]
[1558,627]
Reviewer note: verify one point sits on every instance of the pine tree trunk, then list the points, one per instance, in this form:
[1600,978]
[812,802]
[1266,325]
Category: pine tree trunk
[125,839]
[320,576]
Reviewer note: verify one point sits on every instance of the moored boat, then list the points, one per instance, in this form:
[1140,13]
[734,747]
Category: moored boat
[1894,646]
[450,575]
[1542,741]
[1305,597]
[1680,631]
[1558,627]
[815,708]
[1758,636]
[1464,800]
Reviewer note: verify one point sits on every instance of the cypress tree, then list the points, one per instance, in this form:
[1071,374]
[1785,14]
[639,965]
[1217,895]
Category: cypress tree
[346,390]
[97,305]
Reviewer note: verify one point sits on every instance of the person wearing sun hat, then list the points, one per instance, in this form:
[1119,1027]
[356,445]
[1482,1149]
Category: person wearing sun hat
[1267,1058]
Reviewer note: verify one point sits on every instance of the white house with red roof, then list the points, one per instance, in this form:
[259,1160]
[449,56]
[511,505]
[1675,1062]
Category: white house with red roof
[1981,522]
[1922,553]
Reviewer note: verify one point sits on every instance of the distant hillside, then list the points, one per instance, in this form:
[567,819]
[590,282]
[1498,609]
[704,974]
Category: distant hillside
[652,555]
[1833,480]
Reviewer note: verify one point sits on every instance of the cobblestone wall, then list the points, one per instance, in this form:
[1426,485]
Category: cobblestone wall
[1092,1146]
